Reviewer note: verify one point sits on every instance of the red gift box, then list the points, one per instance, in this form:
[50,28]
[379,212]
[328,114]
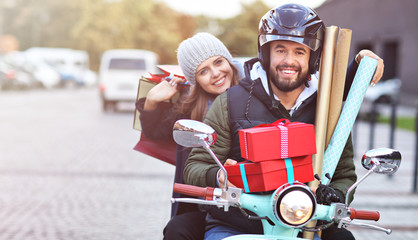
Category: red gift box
[269,175]
[278,140]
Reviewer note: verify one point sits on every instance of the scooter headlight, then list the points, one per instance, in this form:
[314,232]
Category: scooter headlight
[295,204]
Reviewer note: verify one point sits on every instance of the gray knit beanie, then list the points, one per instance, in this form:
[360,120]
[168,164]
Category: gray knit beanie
[193,51]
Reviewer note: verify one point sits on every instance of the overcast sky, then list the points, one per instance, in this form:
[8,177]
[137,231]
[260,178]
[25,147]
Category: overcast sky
[225,8]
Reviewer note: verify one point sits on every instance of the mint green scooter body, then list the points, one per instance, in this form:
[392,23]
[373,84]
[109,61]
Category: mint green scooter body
[262,205]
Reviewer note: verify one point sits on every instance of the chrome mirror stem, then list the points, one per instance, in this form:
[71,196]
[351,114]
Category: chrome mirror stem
[207,147]
[357,183]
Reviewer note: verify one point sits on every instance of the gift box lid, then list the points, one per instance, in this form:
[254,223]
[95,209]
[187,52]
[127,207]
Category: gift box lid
[268,127]
[277,140]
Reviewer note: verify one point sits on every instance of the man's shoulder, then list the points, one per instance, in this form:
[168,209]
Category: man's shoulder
[240,87]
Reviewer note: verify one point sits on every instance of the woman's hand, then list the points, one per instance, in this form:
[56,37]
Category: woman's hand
[221,175]
[380,65]
[163,91]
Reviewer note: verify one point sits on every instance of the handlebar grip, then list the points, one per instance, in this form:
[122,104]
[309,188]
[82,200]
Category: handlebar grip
[190,190]
[364,215]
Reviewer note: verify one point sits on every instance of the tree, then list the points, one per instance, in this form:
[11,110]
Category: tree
[99,25]
[40,22]
[131,24]
[240,33]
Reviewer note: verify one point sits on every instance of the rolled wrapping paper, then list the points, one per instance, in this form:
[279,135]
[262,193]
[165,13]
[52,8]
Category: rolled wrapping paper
[324,91]
[322,109]
[348,116]
[338,80]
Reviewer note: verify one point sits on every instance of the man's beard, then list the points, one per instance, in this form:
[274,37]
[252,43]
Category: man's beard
[288,86]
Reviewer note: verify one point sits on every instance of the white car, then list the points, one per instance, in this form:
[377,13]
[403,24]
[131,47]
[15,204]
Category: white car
[42,71]
[384,91]
[72,65]
[120,71]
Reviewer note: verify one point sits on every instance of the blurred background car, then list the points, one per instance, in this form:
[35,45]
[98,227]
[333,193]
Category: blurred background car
[17,75]
[7,75]
[119,74]
[72,65]
[380,98]
[384,92]
[41,74]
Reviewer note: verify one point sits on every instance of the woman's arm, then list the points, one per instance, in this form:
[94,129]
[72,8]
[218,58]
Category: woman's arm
[156,111]
[162,92]
[352,69]
[157,124]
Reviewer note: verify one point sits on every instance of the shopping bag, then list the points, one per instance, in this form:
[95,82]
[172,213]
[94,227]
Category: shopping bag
[147,82]
[144,86]
[162,150]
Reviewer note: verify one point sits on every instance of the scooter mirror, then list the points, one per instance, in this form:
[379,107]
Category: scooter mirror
[191,133]
[382,160]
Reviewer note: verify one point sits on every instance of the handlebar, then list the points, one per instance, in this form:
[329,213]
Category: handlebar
[364,215]
[185,189]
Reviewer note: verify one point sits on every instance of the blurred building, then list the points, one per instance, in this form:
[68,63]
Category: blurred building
[387,27]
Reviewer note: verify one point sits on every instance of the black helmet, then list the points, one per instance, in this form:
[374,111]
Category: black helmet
[292,22]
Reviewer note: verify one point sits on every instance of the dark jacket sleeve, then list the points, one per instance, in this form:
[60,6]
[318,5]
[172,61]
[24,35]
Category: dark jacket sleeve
[345,173]
[349,77]
[157,124]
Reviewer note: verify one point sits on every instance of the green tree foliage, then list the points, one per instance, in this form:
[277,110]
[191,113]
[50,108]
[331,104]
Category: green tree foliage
[131,24]
[240,33]
[99,25]
[39,22]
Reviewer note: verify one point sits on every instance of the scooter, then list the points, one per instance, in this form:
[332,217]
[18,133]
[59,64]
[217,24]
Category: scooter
[285,212]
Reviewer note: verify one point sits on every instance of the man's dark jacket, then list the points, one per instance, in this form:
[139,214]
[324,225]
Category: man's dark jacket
[243,106]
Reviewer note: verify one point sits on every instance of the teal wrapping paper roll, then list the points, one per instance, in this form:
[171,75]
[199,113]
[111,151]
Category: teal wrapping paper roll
[348,116]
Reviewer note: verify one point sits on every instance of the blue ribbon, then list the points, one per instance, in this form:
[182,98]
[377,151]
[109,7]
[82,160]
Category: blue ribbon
[244,177]
[169,77]
[289,170]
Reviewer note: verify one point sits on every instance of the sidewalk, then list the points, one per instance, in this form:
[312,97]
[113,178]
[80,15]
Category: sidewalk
[386,109]
[391,196]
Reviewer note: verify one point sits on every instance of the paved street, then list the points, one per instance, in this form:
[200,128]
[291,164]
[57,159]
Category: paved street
[68,171]
[391,196]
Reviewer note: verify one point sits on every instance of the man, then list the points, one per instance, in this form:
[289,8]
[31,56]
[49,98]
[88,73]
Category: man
[277,85]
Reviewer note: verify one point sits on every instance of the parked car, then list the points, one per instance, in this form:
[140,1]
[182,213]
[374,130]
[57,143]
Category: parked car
[7,76]
[72,65]
[120,71]
[384,91]
[41,72]
[18,73]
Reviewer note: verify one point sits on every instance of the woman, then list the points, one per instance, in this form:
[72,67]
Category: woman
[208,67]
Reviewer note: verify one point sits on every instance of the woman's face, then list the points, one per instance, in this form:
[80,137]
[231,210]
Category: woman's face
[214,75]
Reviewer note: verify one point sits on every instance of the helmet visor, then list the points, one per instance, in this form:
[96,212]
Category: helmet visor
[311,43]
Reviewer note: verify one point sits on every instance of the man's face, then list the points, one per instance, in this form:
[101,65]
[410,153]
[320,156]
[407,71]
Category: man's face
[289,64]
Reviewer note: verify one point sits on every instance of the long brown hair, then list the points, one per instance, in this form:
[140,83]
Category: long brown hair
[195,104]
